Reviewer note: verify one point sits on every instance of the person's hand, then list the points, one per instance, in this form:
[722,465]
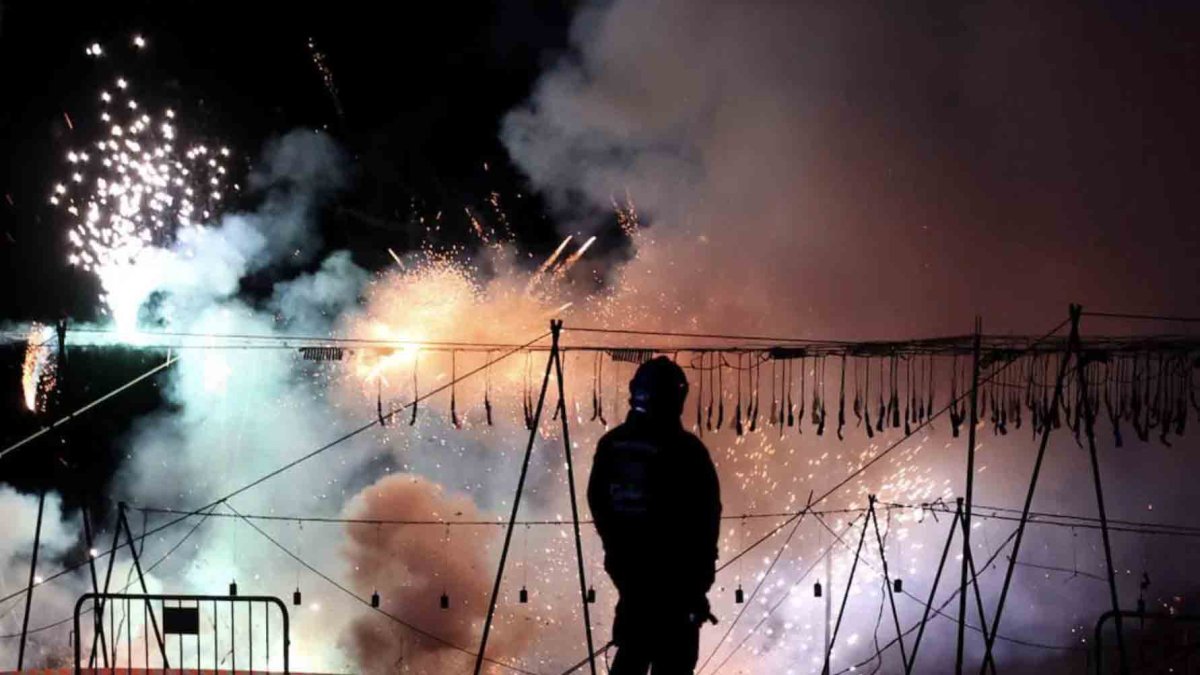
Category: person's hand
[702,612]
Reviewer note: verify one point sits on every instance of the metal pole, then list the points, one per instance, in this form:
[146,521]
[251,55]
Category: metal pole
[137,565]
[61,332]
[1089,416]
[937,578]
[989,659]
[828,607]
[845,597]
[97,621]
[1047,427]
[537,417]
[37,540]
[887,581]
[555,328]
[968,497]
[112,557]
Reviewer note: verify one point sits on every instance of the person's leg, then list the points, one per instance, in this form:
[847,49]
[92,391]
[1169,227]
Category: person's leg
[676,649]
[633,658]
[633,636]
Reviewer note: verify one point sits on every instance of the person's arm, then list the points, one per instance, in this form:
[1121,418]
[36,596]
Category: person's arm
[597,490]
[712,506]
[599,495]
[705,512]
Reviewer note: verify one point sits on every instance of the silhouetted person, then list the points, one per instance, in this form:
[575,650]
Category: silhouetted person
[657,505]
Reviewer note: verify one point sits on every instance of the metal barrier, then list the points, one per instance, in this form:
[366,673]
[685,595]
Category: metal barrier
[1163,658]
[188,619]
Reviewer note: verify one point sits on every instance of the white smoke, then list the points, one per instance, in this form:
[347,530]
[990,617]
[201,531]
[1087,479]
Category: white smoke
[207,261]
[845,170]
[16,545]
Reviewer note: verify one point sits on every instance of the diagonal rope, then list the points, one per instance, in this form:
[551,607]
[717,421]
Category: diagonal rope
[333,582]
[87,610]
[749,601]
[264,478]
[79,411]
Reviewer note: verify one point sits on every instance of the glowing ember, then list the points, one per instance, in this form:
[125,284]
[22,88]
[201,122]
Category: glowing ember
[131,188]
[37,371]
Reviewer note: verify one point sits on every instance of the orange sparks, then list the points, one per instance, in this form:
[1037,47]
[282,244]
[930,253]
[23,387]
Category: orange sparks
[37,371]
[554,256]
[570,262]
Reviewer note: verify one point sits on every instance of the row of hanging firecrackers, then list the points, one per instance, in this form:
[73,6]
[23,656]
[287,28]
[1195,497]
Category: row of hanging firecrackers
[790,391]
[1150,391]
[387,419]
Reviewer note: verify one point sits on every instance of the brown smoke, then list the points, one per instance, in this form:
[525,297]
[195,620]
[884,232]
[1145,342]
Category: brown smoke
[410,566]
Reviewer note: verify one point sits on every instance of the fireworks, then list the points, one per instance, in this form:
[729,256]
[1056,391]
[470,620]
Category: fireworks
[131,188]
[322,65]
[37,371]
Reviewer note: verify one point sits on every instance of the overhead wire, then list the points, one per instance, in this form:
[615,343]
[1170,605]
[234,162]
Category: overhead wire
[171,551]
[1146,317]
[88,406]
[289,465]
[877,458]
[333,582]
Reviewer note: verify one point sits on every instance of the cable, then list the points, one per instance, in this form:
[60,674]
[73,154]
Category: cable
[1147,317]
[1083,522]
[474,523]
[1036,518]
[416,629]
[828,550]
[733,624]
[709,336]
[1052,568]
[289,465]
[293,338]
[854,474]
[124,588]
[89,406]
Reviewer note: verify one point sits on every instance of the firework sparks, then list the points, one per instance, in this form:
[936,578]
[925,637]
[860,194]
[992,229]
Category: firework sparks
[37,370]
[576,256]
[132,188]
[322,64]
[554,256]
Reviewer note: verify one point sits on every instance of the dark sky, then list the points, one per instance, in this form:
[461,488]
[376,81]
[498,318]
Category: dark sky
[422,94]
[1054,144]
[1062,137]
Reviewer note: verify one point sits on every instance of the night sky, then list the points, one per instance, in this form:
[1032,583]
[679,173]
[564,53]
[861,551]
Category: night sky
[856,171]
[422,95]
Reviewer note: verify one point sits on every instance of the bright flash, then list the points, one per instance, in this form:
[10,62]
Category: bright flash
[137,195]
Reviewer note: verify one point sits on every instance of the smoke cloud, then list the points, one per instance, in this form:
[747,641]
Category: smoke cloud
[410,567]
[855,171]
[16,544]
[815,155]
[207,262]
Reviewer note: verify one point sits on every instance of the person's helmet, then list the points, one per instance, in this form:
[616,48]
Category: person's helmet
[658,388]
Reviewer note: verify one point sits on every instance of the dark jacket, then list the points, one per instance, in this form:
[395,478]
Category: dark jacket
[656,501]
